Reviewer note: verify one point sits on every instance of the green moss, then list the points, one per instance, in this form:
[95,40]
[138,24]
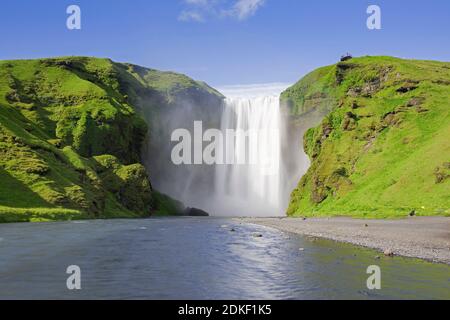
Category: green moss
[166,206]
[382,149]
[129,184]
[315,92]
[41,214]
[71,136]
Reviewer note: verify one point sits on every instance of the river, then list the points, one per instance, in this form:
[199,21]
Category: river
[198,258]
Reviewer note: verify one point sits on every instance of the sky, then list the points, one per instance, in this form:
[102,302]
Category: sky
[226,42]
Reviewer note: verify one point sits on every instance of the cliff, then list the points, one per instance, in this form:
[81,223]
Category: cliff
[72,134]
[381,146]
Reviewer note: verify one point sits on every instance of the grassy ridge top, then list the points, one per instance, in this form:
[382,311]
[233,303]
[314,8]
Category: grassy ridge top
[382,149]
[71,138]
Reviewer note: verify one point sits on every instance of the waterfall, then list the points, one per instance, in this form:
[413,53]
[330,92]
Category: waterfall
[249,183]
[260,148]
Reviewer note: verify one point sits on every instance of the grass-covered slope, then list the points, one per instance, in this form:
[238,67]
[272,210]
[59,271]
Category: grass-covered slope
[71,138]
[383,148]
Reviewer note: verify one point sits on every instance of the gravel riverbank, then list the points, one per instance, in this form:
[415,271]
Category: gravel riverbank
[419,237]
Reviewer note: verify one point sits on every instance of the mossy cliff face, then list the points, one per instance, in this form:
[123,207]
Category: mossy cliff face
[169,101]
[382,148]
[71,138]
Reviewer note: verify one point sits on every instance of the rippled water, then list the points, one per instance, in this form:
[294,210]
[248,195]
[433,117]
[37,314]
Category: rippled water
[193,258]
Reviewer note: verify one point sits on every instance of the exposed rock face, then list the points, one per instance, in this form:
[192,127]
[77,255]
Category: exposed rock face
[407,87]
[381,144]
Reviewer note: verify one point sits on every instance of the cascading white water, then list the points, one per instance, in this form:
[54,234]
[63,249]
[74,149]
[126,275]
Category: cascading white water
[253,176]
[250,182]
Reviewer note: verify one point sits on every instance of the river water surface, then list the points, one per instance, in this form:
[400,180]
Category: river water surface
[199,258]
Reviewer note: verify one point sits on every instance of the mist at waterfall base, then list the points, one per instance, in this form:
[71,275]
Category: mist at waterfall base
[261,187]
[236,188]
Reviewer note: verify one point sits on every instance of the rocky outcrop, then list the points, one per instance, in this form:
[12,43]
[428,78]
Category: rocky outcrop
[194,212]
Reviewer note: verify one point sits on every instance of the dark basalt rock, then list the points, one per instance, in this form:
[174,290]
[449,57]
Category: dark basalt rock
[407,88]
[194,212]
[346,57]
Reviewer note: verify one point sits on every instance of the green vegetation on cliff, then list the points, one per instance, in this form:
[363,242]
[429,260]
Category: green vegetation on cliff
[71,136]
[382,149]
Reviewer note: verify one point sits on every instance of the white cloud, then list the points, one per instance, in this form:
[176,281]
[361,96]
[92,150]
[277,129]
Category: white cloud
[197,2]
[198,10]
[243,9]
[191,16]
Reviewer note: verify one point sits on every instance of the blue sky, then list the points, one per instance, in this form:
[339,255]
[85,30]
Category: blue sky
[226,41]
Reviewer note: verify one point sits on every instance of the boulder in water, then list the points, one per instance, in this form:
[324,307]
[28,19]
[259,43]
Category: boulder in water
[194,212]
